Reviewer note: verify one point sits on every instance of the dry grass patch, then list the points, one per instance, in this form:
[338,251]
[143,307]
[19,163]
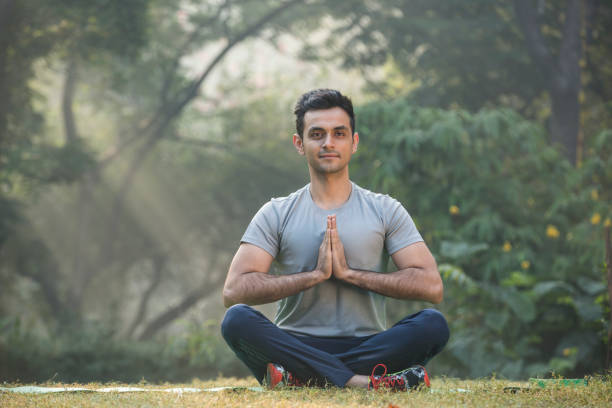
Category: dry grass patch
[444,393]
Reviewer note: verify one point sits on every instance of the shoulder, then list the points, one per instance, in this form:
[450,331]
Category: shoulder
[388,210]
[280,206]
[378,200]
[269,221]
[282,203]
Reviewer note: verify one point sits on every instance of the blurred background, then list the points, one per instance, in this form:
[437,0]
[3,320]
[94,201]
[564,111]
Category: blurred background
[139,137]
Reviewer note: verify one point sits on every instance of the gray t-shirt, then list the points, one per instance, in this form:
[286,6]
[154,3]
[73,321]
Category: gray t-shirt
[291,229]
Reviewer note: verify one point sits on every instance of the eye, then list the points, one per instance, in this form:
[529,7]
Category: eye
[340,133]
[315,134]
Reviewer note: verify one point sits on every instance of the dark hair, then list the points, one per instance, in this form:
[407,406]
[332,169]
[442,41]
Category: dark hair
[321,99]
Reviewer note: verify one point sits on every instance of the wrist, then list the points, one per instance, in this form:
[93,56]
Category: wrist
[319,275]
[346,275]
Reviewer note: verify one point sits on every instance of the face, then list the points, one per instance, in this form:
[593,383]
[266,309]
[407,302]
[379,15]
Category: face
[327,143]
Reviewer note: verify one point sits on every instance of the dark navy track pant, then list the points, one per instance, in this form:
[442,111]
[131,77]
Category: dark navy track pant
[257,341]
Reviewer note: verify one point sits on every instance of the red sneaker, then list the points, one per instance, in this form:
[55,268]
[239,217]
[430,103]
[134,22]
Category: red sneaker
[276,375]
[408,379]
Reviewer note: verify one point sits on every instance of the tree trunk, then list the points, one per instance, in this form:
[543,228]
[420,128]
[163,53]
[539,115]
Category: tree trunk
[562,76]
[191,299]
[609,278]
[565,120]
[7,31]
[141,314]
[177,311]
[67,98]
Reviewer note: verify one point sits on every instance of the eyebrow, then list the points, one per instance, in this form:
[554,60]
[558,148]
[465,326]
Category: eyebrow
[312,129]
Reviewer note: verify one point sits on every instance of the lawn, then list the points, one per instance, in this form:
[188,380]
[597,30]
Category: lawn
[443,393]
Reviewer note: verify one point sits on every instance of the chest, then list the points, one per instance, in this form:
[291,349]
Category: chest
[362,234]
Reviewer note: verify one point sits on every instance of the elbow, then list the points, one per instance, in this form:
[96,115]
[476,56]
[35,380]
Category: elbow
[228,302]
[229,298]
[437,293]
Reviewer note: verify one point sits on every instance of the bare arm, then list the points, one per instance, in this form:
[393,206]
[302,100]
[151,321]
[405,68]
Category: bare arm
[417,276]
[248,280]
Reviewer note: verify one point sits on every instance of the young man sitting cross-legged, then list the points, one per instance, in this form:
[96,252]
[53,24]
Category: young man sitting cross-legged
[328,240]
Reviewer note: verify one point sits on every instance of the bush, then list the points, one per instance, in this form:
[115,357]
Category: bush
[516,229]
[90,353]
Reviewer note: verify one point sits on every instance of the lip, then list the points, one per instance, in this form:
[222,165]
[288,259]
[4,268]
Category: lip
[328,156]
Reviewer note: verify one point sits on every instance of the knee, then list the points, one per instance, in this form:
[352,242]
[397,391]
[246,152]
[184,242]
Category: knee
[234,320]
[437,326]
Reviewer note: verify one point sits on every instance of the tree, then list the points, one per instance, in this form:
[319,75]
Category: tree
[144,93]
[30,31]
[230,22]
[485,53]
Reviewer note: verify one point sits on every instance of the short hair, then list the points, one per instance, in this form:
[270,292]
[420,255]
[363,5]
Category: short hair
[319,99]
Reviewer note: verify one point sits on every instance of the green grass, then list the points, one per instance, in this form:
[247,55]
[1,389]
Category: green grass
[444,393]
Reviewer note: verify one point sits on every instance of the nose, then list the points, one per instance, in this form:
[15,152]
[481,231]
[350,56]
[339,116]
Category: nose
[328,142]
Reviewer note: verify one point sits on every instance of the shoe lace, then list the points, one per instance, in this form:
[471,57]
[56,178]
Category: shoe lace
[390,381]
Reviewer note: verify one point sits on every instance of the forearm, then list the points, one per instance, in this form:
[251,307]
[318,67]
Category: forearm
[409,283]
[256,288]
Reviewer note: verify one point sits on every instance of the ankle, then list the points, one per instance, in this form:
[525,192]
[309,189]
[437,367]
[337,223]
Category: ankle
[358,381]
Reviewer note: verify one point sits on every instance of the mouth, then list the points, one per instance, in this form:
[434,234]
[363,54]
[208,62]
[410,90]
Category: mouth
[329,156]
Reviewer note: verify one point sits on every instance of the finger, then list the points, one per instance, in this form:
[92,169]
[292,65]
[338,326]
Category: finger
[333,221]
[334,239]
[337,241]
[324,243]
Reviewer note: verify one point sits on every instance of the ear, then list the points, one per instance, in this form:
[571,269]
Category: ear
[298,143]
[355,141]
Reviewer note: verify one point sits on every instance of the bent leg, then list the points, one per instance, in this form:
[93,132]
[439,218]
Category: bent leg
[257,341]
[413,340]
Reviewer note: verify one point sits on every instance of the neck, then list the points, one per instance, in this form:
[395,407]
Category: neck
[330,191]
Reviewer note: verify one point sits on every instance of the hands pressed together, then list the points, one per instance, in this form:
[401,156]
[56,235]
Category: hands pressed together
[331,261]
[249,282]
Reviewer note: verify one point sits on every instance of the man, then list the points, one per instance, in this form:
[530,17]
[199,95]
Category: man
[328,240]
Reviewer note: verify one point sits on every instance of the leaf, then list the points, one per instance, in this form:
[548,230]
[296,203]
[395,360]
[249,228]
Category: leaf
[456,250]
[587,309]
[543,288]
[497,319]
[452,273]
[520,304]
[590,286]
[475,350]
[518,278]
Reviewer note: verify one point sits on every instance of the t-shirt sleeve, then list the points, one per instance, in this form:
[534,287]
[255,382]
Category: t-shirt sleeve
[400,230]
[263,231]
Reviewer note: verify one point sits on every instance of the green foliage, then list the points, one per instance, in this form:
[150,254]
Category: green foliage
[32,30]
[482,181]
[481,54]
[516,229]
[473,54]
[88,353]
[29,32]
[466,53]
